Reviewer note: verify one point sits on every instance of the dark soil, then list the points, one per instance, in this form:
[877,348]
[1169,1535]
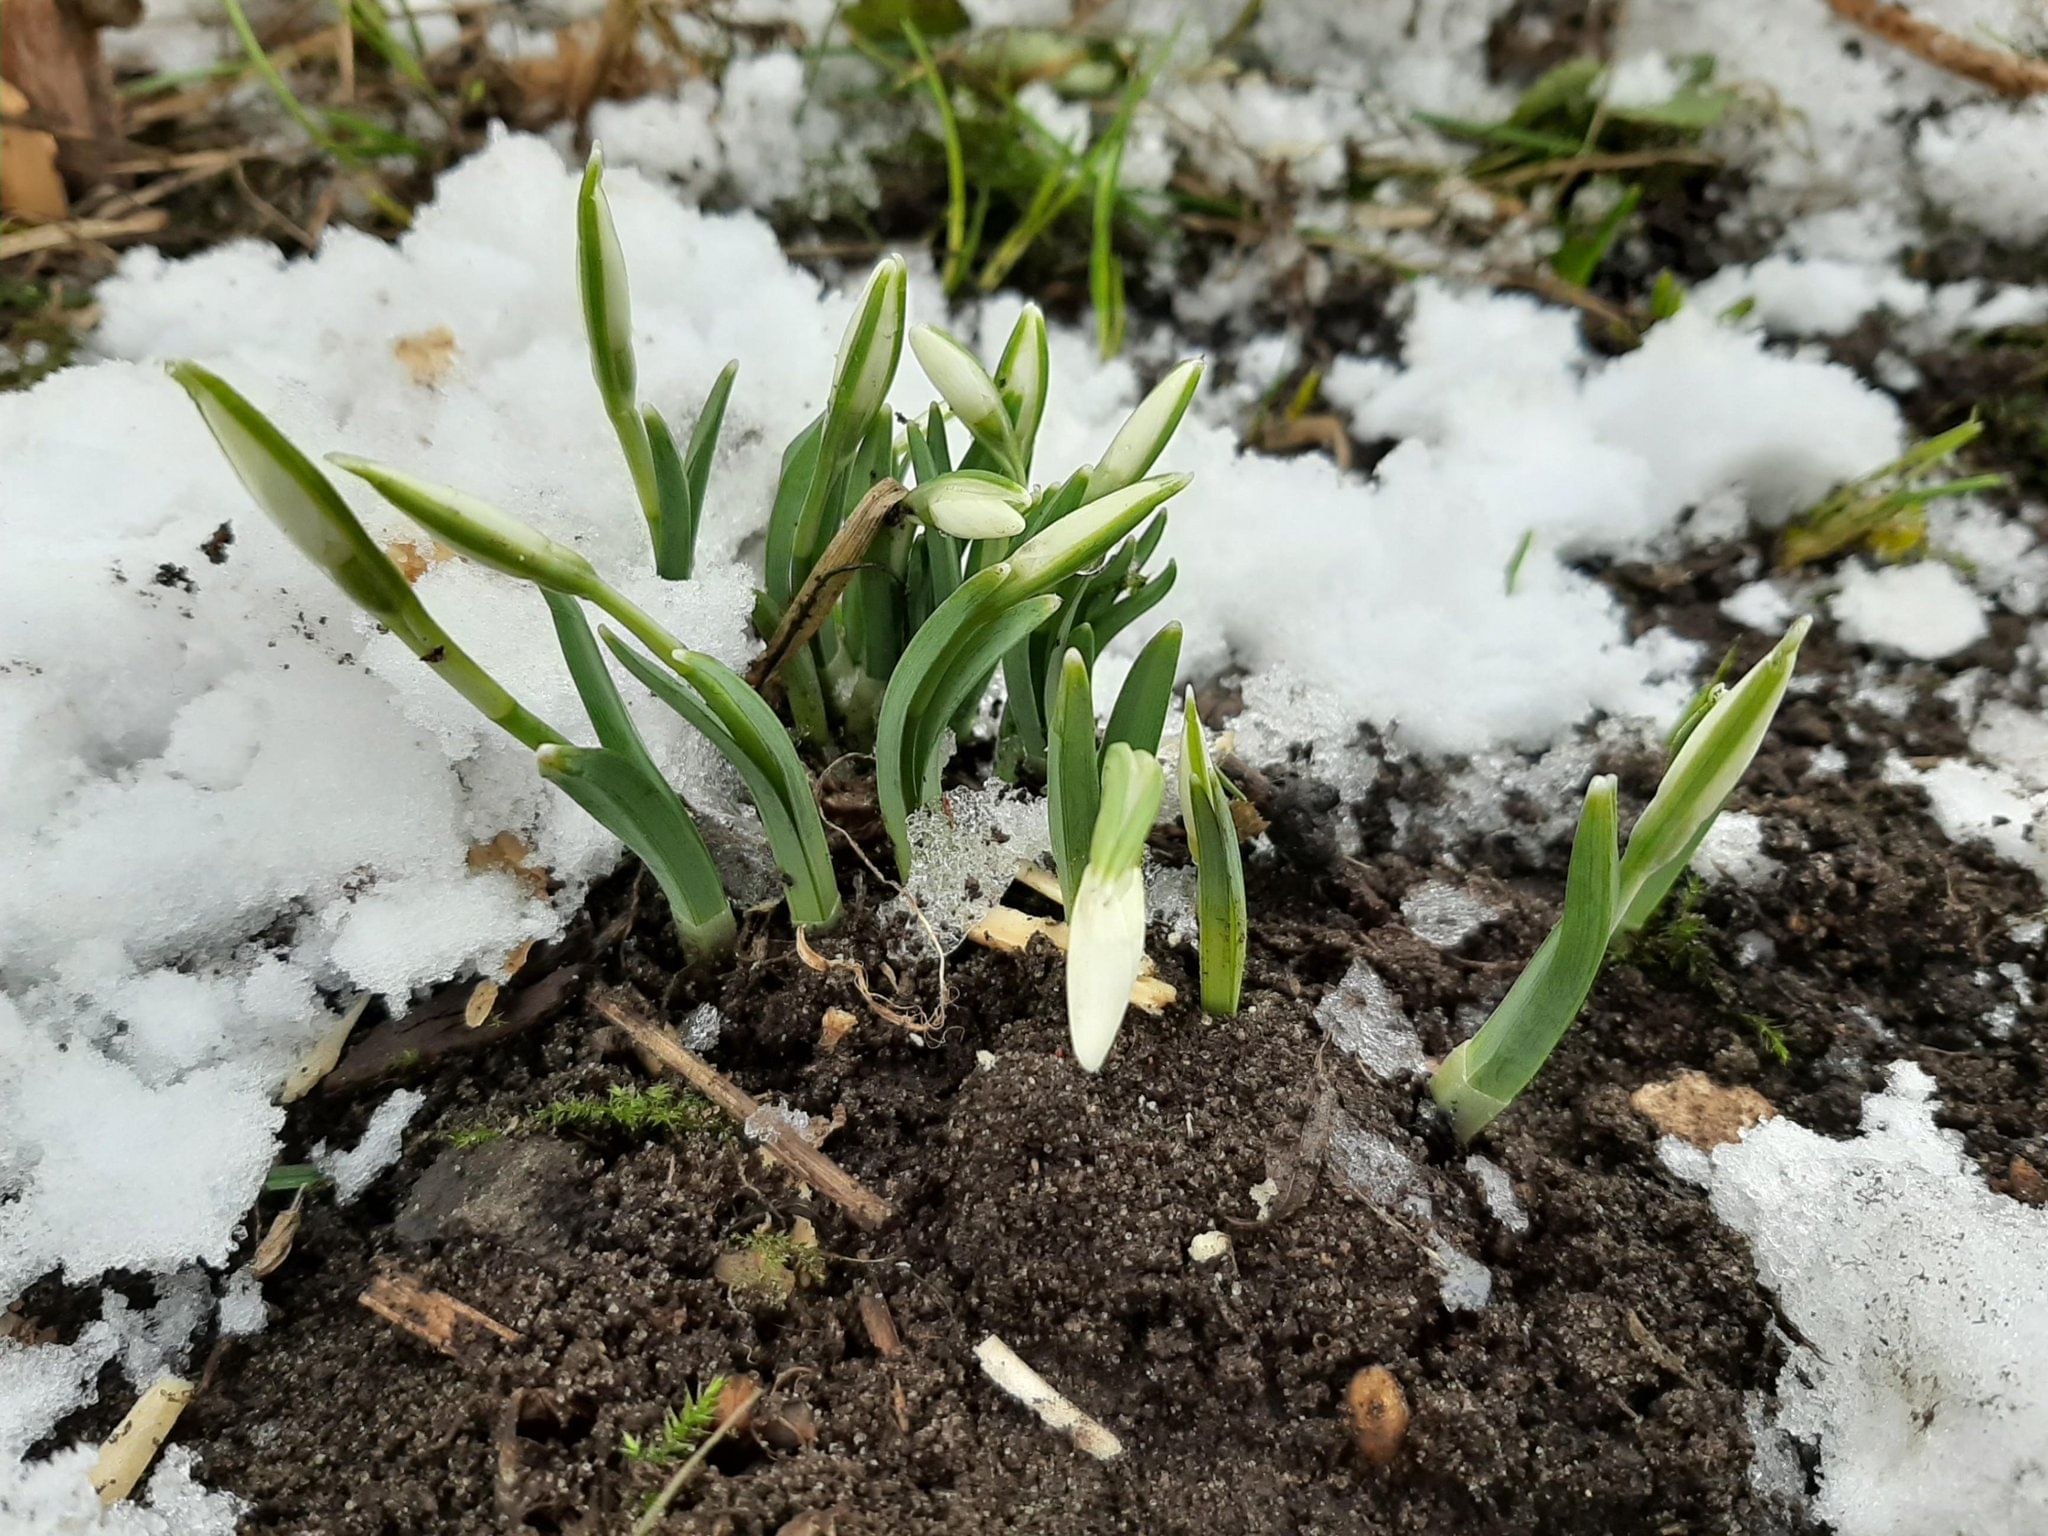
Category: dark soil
[1601,1390]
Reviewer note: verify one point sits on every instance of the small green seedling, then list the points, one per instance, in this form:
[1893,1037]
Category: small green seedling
[1609,894]
[670,484]
[1106,920]
[1220,923]
[682,1429]
[1885,510]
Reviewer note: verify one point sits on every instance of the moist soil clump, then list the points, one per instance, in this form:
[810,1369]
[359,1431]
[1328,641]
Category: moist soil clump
[1602,1385]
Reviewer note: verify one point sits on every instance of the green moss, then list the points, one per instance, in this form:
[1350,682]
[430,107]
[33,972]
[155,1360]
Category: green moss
[682,1430]
[635,1113]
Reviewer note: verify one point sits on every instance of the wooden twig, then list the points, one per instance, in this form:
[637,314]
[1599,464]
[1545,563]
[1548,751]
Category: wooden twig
[133,1445]
[429,1316]
[53,237]
[1008,931]
[835,568]
[1003,1366]
[2009,74]
[865,1207]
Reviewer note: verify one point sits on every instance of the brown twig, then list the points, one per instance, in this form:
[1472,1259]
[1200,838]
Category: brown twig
[828,578]
[429,1316]
[53,237]
[2009,74]
[863,1205]
[1631,160]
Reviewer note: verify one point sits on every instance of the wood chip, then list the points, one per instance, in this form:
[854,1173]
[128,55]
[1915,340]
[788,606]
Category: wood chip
[1377,1410]
[1696,1109]
[1054,1408]
[129,1450]
[325,1055]
[432,1317]
[879,1324]
[428,357]
[1009,931]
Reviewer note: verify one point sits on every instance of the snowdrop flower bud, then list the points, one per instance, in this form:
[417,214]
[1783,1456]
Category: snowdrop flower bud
[1704,771]
[967,389]
[473,527]
[1141,439]
[1106,937]
[1087,533]
[298,498]
[872,346]
[601,278]
[971,504]
[1024,376]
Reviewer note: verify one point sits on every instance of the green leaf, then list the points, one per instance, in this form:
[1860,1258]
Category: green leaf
[740,725]
[882,21]
[1072,772]
[1583,250]
[308,510]
[1221,925]
[1139,715]
[675,530]
[649,819]
[1482,1076]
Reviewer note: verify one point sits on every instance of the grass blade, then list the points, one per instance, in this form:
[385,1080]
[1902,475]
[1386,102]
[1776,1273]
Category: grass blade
[1222,928]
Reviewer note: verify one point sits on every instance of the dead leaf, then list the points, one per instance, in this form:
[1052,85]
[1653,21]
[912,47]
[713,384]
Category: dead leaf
[1696,1109]
[1009,931]
[414,559]
[30,185]
[483,998]
[832,1028]
[508,853]
[276,1246]
[428,357]
[326,1052]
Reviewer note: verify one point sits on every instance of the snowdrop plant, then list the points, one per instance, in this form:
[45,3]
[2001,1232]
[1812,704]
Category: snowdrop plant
[1106,919]
[951,659]
[1075,759]
[702,689]
[1220,924]
[1610,894]
[616,781]
[669,483]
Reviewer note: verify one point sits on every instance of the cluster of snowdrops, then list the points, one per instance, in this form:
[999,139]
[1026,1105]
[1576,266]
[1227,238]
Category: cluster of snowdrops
[897,585]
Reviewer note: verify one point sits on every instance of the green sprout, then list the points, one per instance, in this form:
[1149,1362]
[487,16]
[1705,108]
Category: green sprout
[1610,894]
[635,1113]
[669,484]
[1106,920]
[682,1430]
[1885,510]
[1220,924]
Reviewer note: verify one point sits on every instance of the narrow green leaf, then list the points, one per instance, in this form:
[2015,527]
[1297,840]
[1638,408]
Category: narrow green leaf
[649,819]
[1221,925]
[1139,716]
[1482,1076]
[1072,772]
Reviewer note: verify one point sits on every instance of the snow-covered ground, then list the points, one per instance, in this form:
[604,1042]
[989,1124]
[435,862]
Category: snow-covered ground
[227,805]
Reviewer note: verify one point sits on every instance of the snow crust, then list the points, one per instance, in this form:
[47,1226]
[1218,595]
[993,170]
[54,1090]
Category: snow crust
[1921,1298]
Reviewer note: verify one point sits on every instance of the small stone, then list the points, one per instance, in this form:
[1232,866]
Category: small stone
[1696,1109]
[1377,1411]
[1205,1246]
